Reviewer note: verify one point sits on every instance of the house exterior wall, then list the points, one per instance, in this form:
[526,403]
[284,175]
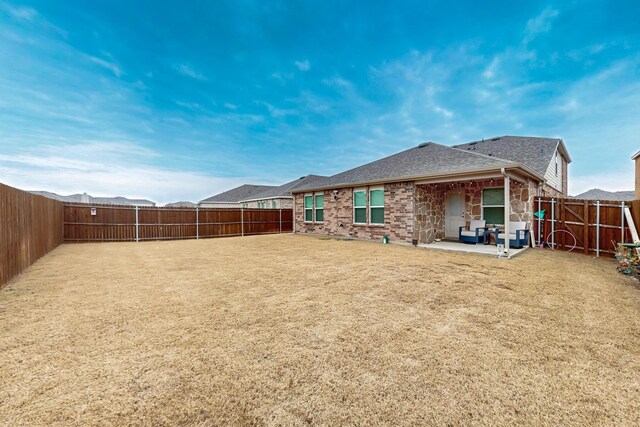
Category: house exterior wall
[430,204]
[281,203]
[556,182]
[338,214]
[637,188]
[220,205]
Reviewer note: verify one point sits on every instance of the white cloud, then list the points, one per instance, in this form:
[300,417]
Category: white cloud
[23,13]
[540,24]
[186,70]
[106,169]
[230,106]
[438,109]
[111,66]
[303,65]
[490,71]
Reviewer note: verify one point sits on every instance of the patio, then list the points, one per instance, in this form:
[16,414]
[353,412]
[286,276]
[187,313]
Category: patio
[482,249]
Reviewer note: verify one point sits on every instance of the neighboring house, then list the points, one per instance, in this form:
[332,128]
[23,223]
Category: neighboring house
[231,198]
[85,198]
[279,197]
[597,194]
[428,192]
[181,205]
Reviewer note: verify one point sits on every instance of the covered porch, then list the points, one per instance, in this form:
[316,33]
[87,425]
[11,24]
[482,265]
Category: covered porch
[443,206]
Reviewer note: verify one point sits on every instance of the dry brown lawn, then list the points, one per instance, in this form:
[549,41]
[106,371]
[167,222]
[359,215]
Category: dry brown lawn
[296,330]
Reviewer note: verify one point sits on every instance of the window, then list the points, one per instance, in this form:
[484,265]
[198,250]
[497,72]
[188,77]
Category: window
[319,199]
[493,205]
[360,207]
[308,208]
[273,204]
[376,206]
[556,163]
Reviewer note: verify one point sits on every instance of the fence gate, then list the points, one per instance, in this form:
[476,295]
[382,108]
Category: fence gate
[593,227]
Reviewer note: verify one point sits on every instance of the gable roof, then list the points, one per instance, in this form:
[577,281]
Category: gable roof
[534,152]
[428,159]
[285,190]
[236,194]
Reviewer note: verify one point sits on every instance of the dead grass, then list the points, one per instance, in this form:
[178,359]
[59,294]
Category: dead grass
[294,330]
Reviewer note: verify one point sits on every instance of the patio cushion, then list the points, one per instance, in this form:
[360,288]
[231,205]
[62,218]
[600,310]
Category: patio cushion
[511,236]
[476,223]
[517,225]
[468,233]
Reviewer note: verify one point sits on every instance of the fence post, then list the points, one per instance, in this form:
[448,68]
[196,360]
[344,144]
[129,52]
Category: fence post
[280,213]
[197,224]
[242,219]
[553,223]
[137,232]
[539,221]
[597,228]
[585,229]
[622,221]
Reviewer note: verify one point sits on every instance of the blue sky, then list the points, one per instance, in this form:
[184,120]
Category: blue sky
[180,100]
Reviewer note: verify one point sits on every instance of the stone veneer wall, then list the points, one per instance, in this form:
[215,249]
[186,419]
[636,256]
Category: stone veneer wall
[338,215]
[430,204]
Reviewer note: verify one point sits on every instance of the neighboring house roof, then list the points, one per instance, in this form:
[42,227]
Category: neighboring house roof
[237,194]
[284,191]
[85,198]
[534,152]
[597,194]
[635,156]
[180,205]
[426,160]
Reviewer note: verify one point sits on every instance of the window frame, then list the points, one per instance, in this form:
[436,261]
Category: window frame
[482,205]
[305,208]
[315,207]
[556,163]
[370,206]
[354,207]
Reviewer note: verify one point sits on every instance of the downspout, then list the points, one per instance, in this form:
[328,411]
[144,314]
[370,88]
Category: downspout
[507,211]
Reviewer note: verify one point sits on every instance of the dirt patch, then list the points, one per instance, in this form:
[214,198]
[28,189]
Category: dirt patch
[295,330]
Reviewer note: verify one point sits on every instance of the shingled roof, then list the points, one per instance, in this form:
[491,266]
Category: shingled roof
[237,194]
[285,189]
[534,152]
[428,159]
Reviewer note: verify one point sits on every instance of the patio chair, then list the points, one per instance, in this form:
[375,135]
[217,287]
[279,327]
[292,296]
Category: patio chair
[518,235]
[474,234]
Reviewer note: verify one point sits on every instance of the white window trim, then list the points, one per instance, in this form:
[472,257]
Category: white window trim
[315,208]
[305,208]
[375,224]
[482,205]
[366,202]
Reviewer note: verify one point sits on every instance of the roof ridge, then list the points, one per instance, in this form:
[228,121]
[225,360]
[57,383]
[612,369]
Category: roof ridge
[484,155]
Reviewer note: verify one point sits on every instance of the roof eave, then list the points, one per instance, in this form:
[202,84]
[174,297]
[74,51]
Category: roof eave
[511,165]
[561,147]
[266,198]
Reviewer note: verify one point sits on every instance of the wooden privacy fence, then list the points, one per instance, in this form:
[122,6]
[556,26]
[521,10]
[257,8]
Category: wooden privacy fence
[101,223]
[30,227]
[596,225]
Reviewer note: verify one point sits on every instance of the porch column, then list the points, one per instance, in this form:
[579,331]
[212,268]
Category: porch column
[507,213]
